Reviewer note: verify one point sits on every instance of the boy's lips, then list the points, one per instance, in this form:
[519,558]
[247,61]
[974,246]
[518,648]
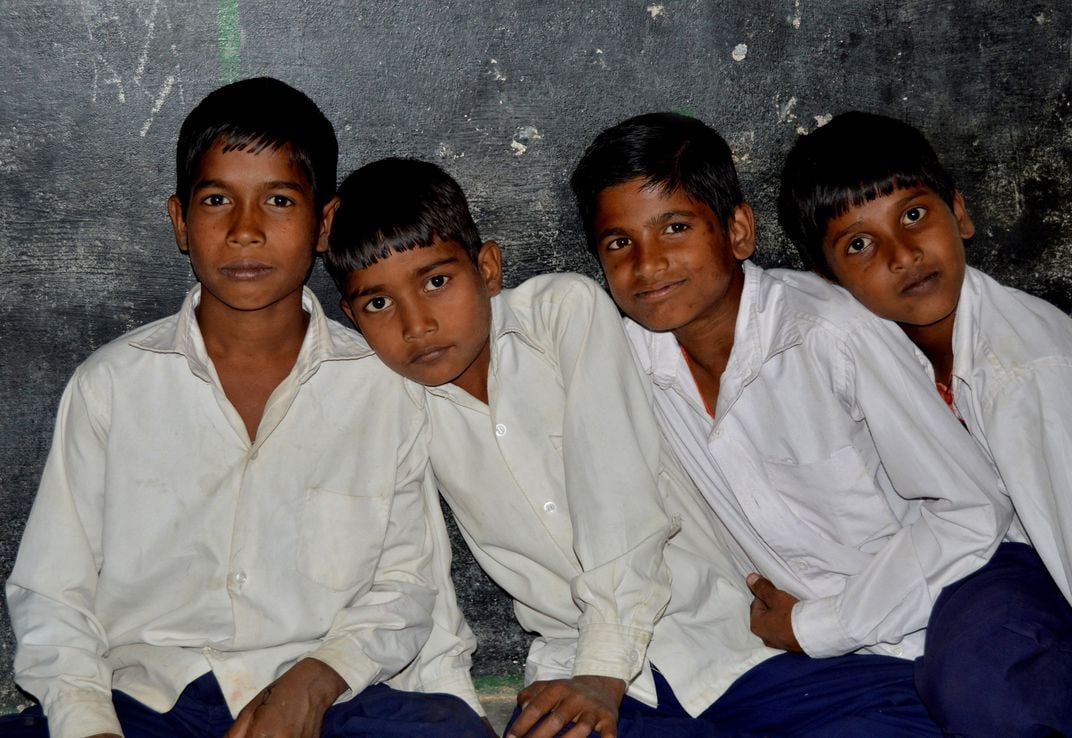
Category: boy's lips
[244,270]
[919,284]
[428,355]
[658,290]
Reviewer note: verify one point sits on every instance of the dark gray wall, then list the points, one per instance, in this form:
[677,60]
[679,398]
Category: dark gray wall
[505,95]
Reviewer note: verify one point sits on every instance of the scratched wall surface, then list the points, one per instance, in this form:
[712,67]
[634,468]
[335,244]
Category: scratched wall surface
[505,95]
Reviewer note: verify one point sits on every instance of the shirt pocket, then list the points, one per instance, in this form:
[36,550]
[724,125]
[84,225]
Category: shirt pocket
[341,538]
[838,496]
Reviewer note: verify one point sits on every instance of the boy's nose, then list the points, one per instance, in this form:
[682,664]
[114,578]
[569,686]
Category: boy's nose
[417,323]
[648,261]
[904,254]
[246,229]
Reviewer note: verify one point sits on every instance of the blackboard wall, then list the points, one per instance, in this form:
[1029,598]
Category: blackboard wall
[505,95]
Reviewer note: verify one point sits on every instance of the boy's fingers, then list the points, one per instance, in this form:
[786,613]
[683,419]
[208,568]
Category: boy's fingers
[761,587]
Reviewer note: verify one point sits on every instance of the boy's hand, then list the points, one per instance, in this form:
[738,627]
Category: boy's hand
[292,706]
[772,614]
[589,702]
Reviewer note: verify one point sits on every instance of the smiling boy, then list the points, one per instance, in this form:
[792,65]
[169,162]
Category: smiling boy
[887,223]
[799,415]
[220,545]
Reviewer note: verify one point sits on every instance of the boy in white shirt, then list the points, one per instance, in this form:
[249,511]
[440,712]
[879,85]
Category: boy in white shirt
[800,416]
[545,447]
[870,207]
[221,543]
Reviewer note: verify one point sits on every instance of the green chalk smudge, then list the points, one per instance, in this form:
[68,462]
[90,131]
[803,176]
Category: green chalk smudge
[230,36]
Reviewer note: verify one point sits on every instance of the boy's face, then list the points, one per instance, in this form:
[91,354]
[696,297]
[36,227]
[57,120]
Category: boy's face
[427,312]
[902,254]
[669,263]
[251,229]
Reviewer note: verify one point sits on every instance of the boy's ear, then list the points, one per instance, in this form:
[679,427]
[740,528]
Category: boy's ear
[489,266]
[178,223]
[742,231]
[344,304]
[964,221]
[327,215]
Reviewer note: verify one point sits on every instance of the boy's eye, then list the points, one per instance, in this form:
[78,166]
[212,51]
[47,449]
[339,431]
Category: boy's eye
[437,282]
[214,200]
[615,244]
[377,304]
[676,228]
[280,201]
[858,244]
[914,215]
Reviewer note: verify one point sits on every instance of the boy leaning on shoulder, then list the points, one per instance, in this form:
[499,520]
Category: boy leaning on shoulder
[887,222]
[222,541]
[803,418]
[545,447]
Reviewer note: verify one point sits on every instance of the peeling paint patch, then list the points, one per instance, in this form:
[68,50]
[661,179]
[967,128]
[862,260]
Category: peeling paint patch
[447,151]
[524,138]
[822,120]
[600,60]
[518,148]
[786,110]
[740,51]
[496,73]
[794,19]
[655,10]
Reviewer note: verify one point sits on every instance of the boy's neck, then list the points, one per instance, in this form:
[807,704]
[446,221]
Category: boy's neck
[265,334]
[252,351]
[936,343]
[708,343]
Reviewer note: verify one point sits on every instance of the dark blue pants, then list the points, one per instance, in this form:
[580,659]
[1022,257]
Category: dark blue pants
[998,656]
[793,695]
[378,712]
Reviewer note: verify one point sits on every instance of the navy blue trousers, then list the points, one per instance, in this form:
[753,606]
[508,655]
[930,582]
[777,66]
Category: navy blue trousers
[998,655]
[378,712]
[852,696]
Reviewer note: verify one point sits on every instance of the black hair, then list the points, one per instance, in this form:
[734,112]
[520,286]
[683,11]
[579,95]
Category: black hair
[394,205]
[851,160]
[253,115]
[667,150]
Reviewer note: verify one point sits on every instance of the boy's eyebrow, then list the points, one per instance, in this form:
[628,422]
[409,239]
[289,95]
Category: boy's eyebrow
[275,184]
[654,220]
[419,272]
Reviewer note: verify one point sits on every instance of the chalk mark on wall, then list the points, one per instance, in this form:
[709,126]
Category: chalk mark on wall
[230,41]
[108,31]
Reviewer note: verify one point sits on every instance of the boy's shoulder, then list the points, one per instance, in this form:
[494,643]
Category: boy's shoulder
[548,302]
[1010,326]
[805,301]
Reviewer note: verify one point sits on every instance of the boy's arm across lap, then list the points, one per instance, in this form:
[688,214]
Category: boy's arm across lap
[929,457]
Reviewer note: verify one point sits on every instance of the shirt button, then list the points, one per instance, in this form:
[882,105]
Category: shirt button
[800,565]
[253,456]
[896,650]
[238,578]
[549,507]
[718,432]
[500,429]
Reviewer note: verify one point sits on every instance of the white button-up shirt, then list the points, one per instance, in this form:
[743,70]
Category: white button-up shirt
[163,544]
[833,463]
[561,487]
[1012,385]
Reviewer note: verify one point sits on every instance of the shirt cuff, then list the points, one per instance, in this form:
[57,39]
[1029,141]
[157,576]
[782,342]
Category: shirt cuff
[77,717]
[611,650]
[818,629]
[350,663]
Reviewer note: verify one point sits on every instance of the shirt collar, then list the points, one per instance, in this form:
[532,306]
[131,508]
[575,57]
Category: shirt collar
[183,336]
